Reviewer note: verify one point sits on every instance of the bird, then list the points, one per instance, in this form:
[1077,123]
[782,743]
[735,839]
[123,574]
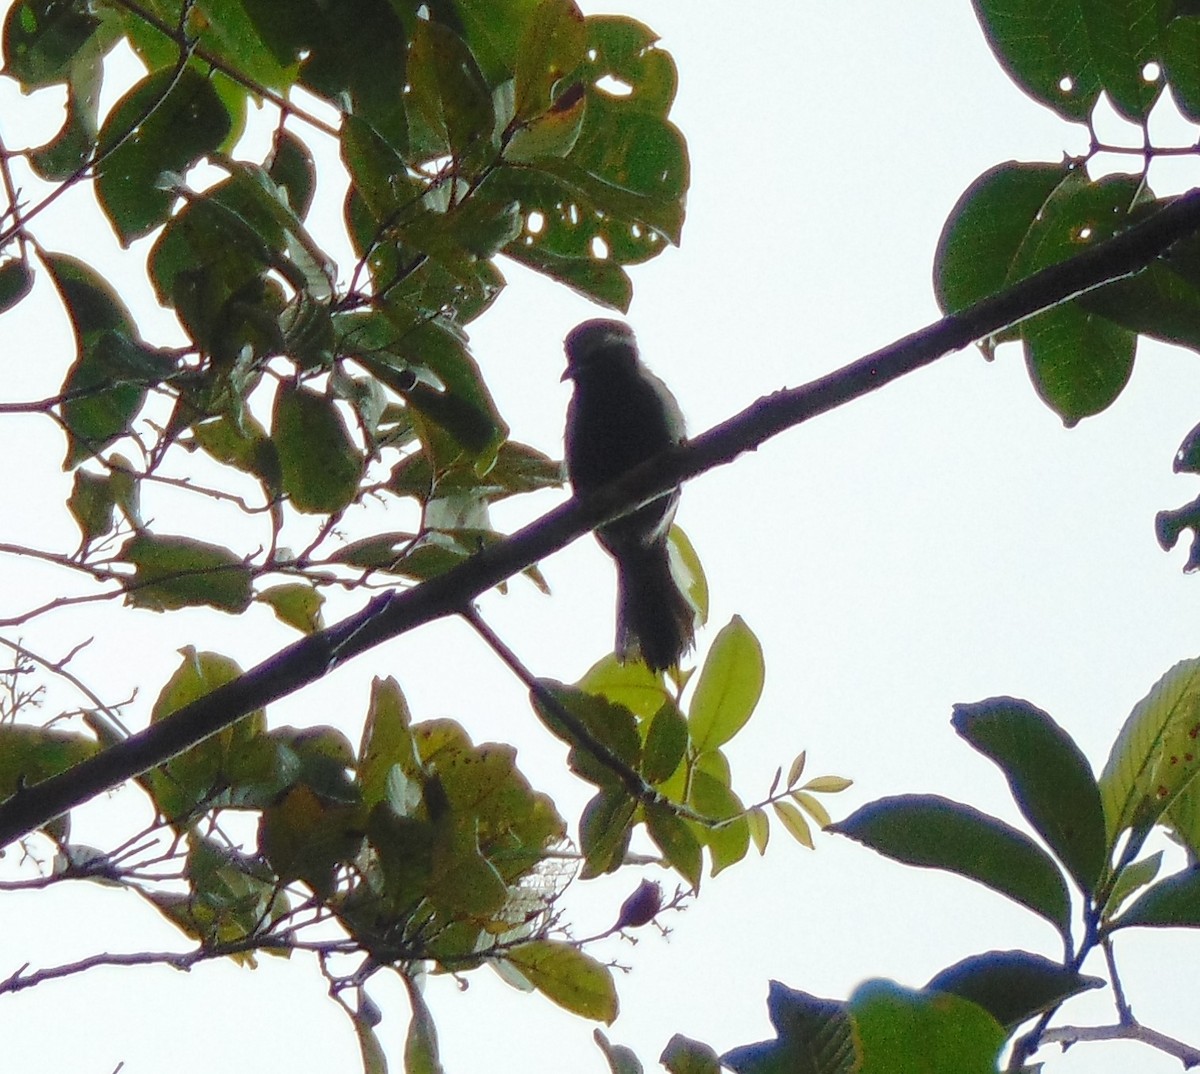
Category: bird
[620,415]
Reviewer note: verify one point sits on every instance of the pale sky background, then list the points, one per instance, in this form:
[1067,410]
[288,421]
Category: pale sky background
[943,541]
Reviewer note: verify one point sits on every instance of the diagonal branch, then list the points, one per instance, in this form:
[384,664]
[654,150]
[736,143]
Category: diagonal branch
[394,613]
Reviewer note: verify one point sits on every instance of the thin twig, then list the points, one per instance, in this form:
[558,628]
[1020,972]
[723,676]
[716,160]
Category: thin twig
[1068,1035]
[180,38]
[1124,1011]
[636,786]
[59,668]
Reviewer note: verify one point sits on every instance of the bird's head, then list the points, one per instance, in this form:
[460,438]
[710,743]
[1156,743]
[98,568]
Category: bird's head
[595,342]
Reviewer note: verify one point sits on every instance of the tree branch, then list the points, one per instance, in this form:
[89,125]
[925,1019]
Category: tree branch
[1068,1035]
[394,613]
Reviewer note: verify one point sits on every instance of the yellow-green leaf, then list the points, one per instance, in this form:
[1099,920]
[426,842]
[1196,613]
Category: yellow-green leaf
[793,820]
[797,769]
[421,1044]
[568,977]
[297,604]
[730,685]
[828,784]
[760,828]
[812,807]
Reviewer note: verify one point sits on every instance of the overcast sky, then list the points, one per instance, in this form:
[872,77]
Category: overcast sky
[943,541]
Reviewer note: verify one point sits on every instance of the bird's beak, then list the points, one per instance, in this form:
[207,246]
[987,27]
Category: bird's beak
[568,374]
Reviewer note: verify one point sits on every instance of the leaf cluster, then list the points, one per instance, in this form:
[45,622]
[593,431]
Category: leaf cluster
[469,133]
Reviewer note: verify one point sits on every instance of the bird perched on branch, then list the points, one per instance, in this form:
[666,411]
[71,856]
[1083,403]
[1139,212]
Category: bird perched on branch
[620,415]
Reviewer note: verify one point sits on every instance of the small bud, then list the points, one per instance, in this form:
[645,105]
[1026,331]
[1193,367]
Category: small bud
[639,909]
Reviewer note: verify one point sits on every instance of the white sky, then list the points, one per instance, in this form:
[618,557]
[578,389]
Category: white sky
[945,540]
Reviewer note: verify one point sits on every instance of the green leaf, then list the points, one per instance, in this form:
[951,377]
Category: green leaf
[599,280]
[613,726]
[815,1036]
[1180,42]
[730,685]
[633,685]
[685,1056]
[320,465]
[112,369]
[1124,39]
[1155,756]
[518,469]
[211,260]
[480,791]
[695,584]
[1079,362]
[1049,777]
[935,833]
[291,168]
[899,1029]
[179,572]
[626,51]
[195,775]
[374,1059]
[1171,903]
[551,47]
[448,92]
[421,1044]
[153,135]
[568,977]
[231,895]
[666,741]
[29,755]
[304,836]
[621,1060]
[16,281]
[106,389]
[1046,50]
[463,407]
[497,43]
[986,229]
[1134,876]
[604,831]
[1018,219]
[553,133]
[357,64]
[760,828]
[387,742]
[198,674]
[1157,302]
[379,173]
[91,504]
[68,152]
[1012,986]
[228,30]
[242,444]
[727,843]
[296,603]
[678,843]
[44,40]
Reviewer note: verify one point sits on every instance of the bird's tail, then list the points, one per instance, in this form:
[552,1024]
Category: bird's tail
[654,618]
